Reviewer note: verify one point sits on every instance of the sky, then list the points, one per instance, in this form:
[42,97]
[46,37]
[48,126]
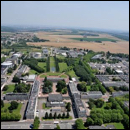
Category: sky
[112,15]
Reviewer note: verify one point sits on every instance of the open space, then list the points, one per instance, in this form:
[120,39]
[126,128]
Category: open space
[62,66]
[10,88]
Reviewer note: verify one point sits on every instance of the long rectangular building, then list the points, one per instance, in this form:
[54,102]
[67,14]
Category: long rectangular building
[32,104]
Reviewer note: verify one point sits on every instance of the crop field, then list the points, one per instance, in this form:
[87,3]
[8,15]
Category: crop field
[95,39]
[62,66]
[120,46]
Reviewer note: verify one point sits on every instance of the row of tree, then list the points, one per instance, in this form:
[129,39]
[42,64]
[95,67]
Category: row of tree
[56,63]
[55,116]
[48,64]
[33,64]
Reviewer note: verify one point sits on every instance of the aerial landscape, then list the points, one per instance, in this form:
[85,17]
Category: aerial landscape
[64,64]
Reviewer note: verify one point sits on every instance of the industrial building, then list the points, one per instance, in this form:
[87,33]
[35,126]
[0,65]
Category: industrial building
[120,93]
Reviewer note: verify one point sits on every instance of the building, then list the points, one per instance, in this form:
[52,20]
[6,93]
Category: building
[4,70]
[55,100]
[55,80]
[115,84]
[98,56]
[45,52]
[16,96]
[31,78]
[73,87]
[91,95]
[80,109]
[7,64]
[120,93]
[21,70]
[32,104]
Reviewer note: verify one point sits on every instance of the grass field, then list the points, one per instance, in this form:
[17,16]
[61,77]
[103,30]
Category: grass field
[94,39]
[72,73]
[42,65]
[63,76]
[43,76]
[88,88]
[62,66]
[60,57]
[32,71]
[16,111]
[10,88]
[44,106]
[52,62]
[117,125]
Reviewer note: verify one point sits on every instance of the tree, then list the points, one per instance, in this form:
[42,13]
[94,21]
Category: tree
[68,107]
[5,87]
[14,105]
[63,115]
[36,123]
[2,103]
[89,121]
[79,124]
[16,79]
[82,87]
[59,116]
[55,115]
[45,79]
[99,103]
[68,115]
[15,67]
[50,116]
[57,127]
[108,105]
[98,121]
[46,115]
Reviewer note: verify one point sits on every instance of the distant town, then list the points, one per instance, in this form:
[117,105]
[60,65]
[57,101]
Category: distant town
[49,87]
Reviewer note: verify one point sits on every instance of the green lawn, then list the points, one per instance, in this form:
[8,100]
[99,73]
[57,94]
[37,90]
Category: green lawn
[117,125]
[72,73]
[32,71]
[63,76]
[43,76]
[62,66]
[88,88]
[16,111]
[53,74]
[52,62]
[10,88]
[94,39]
[60,57]
[42,65]
[44,106]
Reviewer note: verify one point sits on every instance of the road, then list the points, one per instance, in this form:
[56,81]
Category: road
[12,75]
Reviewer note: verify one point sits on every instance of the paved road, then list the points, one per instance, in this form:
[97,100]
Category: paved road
[12,75]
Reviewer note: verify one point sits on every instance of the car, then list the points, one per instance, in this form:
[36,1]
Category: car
[31,126]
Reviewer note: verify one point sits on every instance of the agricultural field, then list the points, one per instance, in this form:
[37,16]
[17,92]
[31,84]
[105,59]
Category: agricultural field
[62,66]
[94,39]
[120,46]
